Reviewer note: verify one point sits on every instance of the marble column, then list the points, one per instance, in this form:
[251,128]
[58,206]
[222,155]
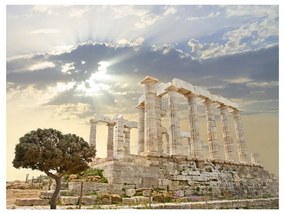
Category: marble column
[241,143]
[174,124]
[92,136]
[127,141]
[141,129]
[211,131]
[167,146]
[110,141]
[228,140]
[254,158]
[150,127]
[196,144]
[158,124]
[189,146]
[119,139]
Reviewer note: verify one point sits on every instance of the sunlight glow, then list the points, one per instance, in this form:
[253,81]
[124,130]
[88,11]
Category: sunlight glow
[96,84]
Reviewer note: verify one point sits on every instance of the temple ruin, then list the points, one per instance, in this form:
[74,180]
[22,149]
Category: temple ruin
[164,162]
[150,130]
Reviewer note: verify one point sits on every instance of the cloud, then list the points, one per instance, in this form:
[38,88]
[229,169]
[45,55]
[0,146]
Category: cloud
[43,9]
[45,31]
[250,10]
[198,18]
[108,79]
[77,12]
[169,11]
[41,65]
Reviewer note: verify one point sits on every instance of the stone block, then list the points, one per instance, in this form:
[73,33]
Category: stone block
[66,193]
[115,199]
[130,192]
[149,182]
[179,193]
[89,200]
[180,177]
[146,193]
[69,200]
[31,202]
[46,194]
[129,201]
[184,172]
[142,199]
[190,182]
[158,198]
[194,173]
[214,183]
[129,186]
[188,192]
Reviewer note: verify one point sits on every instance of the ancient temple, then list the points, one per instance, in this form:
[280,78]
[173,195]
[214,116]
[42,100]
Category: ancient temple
[151,132]
[164,162]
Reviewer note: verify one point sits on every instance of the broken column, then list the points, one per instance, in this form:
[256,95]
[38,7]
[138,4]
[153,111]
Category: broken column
[150,146]
[141,128]
[241,143]
[92,136]
[119,138]
[196,145]
[110,141]
[174,124]
[211,130]
[228,140]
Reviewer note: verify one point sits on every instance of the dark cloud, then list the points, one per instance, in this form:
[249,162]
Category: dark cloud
[131,65]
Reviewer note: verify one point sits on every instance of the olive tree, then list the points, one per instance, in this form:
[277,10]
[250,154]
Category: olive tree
[54,153]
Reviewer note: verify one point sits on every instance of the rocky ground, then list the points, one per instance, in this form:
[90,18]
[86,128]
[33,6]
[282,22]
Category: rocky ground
[13,194]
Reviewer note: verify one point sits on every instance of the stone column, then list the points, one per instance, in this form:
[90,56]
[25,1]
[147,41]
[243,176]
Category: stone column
[110,141]
[166,147]
[241,143]
[212,131]
[158,124]
[92,136]
[196,144]
[228,140]
[127,141]
[189,146]
[119,138]
[174,124]
[150,127]
[254,158]
[141,129]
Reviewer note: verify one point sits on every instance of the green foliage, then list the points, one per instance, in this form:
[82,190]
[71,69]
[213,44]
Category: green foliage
[65,178]
[50,150]
[266,195]
[95,172]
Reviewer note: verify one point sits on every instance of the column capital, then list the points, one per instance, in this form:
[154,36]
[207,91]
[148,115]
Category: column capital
[111,124]
[92,121]
[149,79]
[222,106]
[140,106]
[236,111]
[171,89]
[190,95]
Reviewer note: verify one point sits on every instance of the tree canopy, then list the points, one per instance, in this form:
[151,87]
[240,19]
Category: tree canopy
[54,153]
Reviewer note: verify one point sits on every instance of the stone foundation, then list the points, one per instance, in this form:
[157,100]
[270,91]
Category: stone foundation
[185,177]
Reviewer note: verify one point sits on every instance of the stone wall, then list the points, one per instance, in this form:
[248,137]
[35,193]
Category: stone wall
[186,177]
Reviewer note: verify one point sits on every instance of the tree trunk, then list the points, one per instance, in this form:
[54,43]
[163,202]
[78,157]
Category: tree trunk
[55,194]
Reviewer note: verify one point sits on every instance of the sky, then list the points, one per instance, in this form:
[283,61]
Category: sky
[65,63]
